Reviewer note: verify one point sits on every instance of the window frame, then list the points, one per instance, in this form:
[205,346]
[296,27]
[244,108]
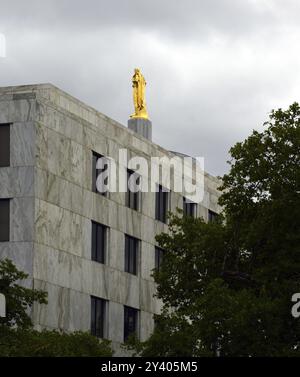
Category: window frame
[96,255]
[133,313]
[131,254]
[162,197]
[5,160]
[159,255]
[102,304]
[132,199]
[95,157]
[212,216]
[6,233]
[189,208]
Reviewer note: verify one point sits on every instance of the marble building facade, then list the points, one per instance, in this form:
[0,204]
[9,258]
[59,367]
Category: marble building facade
[52,208]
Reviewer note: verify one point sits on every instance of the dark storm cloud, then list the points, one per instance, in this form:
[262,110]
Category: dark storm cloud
[214,68]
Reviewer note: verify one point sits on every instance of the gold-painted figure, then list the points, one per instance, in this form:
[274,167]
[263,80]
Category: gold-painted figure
[139,85]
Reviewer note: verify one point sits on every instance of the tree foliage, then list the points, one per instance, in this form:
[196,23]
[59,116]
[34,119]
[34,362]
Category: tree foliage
[17,336]
[227,286]
[19,299]
[29,342]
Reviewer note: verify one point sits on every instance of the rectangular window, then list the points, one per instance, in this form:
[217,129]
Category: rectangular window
[161,204]
[130,322]
[189,208]
[131,254]
[4,220]
[98,316]
[99,186]
[99,241]
[212,216]
[132,197]
[159,252]
[4,145]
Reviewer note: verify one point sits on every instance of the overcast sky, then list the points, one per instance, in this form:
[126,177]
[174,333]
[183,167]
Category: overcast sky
[214,68]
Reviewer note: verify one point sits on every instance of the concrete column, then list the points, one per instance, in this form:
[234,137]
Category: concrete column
[141,126]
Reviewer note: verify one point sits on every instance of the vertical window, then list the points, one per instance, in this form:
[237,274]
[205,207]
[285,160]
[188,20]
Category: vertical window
[130,322]
[212,216]
[4,220]
[4,145]
[161,204]
[189,208]
[99,186]
[131,254]
[99,241]
[132,197]
[158,257]
[98,316]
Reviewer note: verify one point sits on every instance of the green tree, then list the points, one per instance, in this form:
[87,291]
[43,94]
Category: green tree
[227,286]
[17,336]
[29,342]
[18,298]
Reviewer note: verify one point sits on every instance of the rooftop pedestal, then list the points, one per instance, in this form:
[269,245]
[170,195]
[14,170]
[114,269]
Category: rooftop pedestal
[141,126]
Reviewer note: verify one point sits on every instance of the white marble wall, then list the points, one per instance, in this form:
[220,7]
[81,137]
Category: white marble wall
[53,136]
[17,181]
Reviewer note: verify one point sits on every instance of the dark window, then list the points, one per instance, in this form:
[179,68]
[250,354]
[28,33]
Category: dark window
[99,238]
[161,204]
[158,257]
[131,254]
[132,198]
[212,216]
[98,316]
[97,172]
[4,220]
[156,321]
[189,208]
[4,145]
[130,322]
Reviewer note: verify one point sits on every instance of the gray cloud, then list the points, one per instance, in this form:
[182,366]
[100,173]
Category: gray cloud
[215,68]
[183,18]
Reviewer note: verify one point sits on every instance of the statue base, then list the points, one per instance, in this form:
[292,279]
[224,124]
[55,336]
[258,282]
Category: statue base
[141,126]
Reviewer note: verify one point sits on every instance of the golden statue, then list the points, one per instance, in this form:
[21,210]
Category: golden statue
[139,85]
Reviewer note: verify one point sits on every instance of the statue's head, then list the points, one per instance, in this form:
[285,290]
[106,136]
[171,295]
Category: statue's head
[136,70]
